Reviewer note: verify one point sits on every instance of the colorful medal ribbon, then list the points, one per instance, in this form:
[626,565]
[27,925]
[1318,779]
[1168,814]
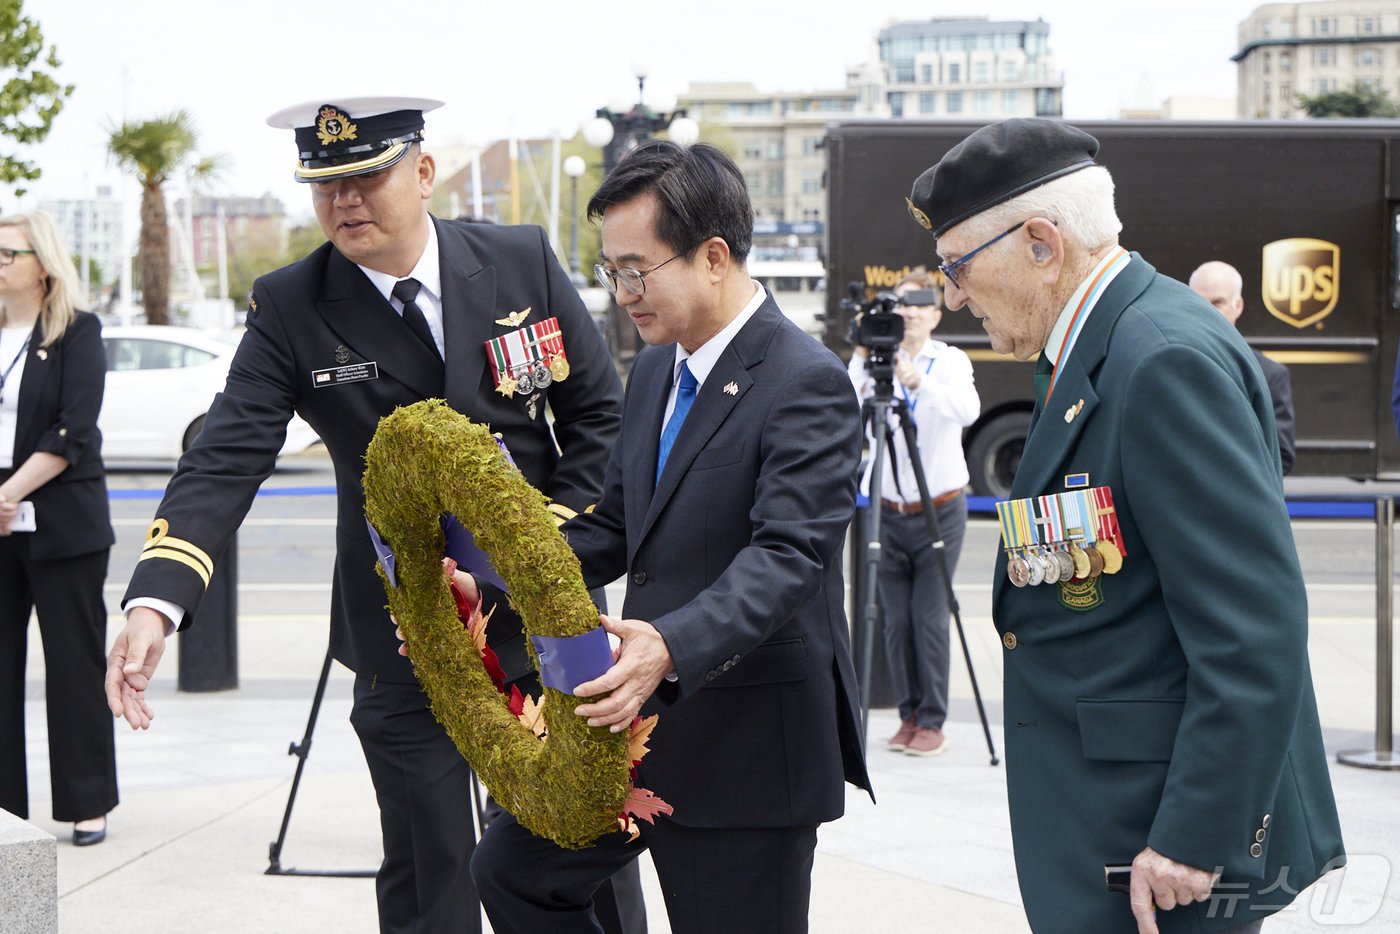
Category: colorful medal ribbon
[528,358]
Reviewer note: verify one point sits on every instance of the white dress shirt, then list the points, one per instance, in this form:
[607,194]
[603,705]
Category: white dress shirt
[941,406]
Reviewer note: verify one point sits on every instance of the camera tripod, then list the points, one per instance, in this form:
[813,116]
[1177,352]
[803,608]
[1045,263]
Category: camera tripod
[302,750]
[875,414]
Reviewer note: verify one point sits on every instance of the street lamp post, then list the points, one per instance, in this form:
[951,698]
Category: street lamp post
[574,167]
[617,131]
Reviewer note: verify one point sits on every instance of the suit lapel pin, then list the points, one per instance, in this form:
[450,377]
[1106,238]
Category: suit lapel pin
[1073,411]
[515,318]
[731,388]
[41,353]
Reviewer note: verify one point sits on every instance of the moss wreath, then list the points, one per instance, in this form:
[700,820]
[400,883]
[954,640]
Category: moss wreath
[425,460]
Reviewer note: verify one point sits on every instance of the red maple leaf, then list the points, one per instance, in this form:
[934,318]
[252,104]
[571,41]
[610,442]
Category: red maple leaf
[643,804]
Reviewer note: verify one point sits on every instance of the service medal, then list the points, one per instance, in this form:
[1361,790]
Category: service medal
[1081,562]
[1066,564]
[559,366]
[1096,562]
[1037,569]
[1052,569]
[541,374]
[523,382]
[1112,558]
[1018,571]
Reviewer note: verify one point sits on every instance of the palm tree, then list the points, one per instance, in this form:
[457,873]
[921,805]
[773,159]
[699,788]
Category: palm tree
[154,150]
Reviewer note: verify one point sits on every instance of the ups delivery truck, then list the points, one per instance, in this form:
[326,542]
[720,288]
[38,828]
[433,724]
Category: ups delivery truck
[1307,211]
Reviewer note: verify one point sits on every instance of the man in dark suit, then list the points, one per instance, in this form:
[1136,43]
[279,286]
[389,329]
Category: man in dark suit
[1158,701]
[396,308]
[725,504]
[1221,285]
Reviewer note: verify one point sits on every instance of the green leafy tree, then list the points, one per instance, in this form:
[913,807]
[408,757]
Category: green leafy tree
[29,98]
[1355,101]
[153,151]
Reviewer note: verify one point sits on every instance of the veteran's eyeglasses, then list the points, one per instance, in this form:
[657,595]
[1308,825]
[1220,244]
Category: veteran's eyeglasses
[8,256]
[633,280]
[957,267]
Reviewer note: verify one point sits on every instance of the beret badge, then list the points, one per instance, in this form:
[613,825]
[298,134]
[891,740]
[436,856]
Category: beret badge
[919,215]
[333,125]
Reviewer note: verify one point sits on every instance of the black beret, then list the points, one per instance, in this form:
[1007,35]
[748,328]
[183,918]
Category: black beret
[995,164]
[352,136]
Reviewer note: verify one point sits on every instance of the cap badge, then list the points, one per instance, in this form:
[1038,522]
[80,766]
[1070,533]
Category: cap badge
[334,126]
[919,215]
[342,355]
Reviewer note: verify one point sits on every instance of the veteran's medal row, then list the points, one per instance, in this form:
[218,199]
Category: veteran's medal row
[1061,537]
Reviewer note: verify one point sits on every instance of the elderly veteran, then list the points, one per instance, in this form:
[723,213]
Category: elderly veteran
[397,307]
[1159,704]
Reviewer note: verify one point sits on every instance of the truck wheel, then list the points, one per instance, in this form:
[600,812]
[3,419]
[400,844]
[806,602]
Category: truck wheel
[995,453]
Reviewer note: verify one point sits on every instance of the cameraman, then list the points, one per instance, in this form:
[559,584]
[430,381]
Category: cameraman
[935,383]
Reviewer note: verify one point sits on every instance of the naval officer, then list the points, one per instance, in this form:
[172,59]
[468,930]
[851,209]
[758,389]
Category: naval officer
[397,307]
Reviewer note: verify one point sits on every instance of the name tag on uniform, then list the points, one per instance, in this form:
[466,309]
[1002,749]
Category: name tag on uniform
[354,373]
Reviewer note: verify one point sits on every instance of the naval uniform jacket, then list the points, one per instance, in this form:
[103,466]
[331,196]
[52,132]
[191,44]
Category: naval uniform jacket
[735,557]
[322,313]
[60,395]
[1177,713]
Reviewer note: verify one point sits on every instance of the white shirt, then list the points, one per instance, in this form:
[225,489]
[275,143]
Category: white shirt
[1070,324]
[944,403]
[428,272]
[707,354]
[12,349]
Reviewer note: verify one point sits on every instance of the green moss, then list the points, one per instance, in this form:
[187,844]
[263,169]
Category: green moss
[425,460]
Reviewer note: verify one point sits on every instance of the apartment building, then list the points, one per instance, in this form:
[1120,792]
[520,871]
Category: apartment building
[1288,49]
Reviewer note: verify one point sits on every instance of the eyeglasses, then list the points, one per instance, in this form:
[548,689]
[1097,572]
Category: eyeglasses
[8,256]
[632,279]
[952,270]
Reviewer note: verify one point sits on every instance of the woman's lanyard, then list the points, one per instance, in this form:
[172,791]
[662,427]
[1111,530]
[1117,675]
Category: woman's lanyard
[4,377]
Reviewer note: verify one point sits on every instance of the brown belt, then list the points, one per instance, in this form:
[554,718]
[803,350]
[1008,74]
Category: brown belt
[916,507]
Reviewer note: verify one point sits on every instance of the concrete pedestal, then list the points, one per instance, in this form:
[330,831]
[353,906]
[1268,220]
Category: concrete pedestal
[28,878]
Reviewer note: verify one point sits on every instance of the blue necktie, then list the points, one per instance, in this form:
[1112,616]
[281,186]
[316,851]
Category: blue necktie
[685,395]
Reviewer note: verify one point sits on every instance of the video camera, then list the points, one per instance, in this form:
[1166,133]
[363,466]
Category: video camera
[876,324]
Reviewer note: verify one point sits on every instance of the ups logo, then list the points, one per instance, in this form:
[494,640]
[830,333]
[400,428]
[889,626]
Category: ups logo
[1301,276]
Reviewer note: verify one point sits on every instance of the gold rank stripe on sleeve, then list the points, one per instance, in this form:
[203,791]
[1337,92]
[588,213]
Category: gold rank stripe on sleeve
[160,544]
[563,513]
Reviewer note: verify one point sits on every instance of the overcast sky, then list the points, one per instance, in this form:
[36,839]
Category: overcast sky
[532,67]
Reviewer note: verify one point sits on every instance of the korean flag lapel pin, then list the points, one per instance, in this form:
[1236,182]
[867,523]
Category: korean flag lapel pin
[731,388]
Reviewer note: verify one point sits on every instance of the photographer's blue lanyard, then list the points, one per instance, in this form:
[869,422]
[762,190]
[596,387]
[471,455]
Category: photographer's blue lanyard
[4,377]
[909,400]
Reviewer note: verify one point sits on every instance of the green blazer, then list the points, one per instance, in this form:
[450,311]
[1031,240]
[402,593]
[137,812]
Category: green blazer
[1173,706]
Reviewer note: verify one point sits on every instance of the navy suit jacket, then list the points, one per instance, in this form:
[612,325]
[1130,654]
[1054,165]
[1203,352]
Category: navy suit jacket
[60,395]
[323,312]
[1177,711]
[735,557]
[1281,391]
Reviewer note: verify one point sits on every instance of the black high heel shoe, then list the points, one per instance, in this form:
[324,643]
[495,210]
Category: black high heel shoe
[90,837]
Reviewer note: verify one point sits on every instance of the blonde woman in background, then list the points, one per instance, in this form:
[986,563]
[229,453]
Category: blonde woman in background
[52,372]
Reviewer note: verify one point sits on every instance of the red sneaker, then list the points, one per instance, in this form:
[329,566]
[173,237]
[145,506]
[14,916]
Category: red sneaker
[900,741]
[926,741]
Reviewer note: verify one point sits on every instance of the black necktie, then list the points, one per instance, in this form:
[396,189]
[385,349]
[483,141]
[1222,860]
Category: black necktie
[406,290]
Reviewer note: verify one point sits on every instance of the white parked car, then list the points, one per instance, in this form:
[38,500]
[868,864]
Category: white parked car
[160,383]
